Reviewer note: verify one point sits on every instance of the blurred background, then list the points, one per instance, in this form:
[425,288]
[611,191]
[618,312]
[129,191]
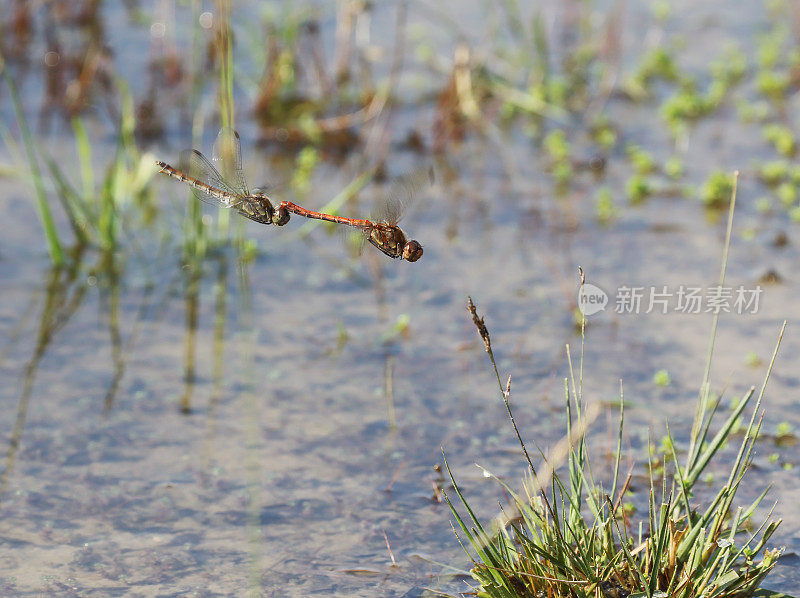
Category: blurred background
[194,403]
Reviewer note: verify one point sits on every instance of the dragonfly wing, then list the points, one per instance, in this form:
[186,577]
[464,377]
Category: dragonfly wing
[227,156]
[213,189]
[401,193]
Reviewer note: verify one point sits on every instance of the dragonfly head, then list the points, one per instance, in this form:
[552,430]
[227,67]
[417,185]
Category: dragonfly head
[412,251]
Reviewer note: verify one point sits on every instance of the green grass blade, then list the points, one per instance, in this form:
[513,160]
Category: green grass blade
[84,148]
[45,215]
[694,446]
[716,443]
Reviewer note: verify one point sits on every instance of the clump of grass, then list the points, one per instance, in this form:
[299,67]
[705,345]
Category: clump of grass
[781,138]
[773,84]
[638,188]
[673,167]
[717,189]
[730,68]
[604,134]
[641,160]
[558,148]
[567,536]
[684,107]
[94,211]
[605,208]
[753,112]
[688,104]
[656,64]
[787,193]
[773,173]
[662,378]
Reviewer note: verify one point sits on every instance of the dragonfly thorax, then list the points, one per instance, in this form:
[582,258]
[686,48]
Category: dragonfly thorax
[279,215]
[392,242]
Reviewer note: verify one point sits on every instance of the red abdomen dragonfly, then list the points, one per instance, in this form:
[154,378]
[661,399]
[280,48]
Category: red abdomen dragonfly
[231,192]
[381,229]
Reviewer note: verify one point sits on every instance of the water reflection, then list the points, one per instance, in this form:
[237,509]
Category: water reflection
[191,291]
[64,291]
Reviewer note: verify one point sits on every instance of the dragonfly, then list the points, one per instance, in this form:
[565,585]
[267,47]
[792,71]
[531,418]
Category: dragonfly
[381,229]
[210,186]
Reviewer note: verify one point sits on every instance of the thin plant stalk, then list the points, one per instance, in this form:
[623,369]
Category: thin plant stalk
[225,91]
[45,214]
[704,388]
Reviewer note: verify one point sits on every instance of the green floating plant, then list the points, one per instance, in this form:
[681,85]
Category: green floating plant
[717,189]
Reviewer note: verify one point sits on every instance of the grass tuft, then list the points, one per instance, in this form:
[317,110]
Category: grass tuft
[565,535]
[575,539]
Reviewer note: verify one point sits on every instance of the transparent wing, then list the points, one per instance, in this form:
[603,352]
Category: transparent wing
[401,193]
[219,192]
[227,156]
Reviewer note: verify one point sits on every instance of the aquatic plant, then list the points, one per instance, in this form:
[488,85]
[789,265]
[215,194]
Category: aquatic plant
[717,188]
[565,534]
[54,245]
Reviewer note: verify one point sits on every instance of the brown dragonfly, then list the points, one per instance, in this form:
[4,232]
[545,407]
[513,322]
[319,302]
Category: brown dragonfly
[210,186]
[381,229]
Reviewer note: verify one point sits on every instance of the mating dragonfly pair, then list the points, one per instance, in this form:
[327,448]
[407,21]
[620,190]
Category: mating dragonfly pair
[232,192]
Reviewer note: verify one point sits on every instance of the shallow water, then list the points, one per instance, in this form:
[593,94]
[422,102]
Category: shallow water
[314,414]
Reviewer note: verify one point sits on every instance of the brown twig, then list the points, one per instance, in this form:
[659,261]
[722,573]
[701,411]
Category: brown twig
[385,537]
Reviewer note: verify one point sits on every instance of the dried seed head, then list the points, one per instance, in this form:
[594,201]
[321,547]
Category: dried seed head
[479,324]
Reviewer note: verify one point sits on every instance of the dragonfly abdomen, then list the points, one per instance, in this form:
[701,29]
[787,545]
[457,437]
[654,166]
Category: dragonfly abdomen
[228,199]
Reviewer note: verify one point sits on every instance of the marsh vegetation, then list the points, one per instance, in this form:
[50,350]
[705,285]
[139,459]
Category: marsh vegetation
[195,402]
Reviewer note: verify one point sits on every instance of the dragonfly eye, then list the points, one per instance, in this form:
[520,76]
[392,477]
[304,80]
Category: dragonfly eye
[412,251]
